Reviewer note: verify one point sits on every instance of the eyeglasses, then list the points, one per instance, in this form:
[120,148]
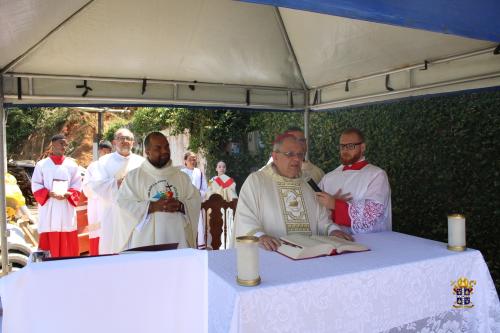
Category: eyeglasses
[349,146]
[125,138]
[291,154]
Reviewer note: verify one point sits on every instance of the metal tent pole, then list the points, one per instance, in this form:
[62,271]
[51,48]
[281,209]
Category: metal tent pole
[3,170]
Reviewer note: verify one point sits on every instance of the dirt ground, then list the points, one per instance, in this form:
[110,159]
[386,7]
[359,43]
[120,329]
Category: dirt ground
[80,130]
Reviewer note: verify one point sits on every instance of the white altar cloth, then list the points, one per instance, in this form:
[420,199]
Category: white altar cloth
[139,292]
[402,284]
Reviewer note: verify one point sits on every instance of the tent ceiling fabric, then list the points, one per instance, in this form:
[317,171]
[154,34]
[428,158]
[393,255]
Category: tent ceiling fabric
[332,49]
[25,22]
[172,40]
[237,52]
[474,19]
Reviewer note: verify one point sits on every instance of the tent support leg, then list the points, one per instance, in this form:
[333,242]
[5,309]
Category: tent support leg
[3,170]
[306,120]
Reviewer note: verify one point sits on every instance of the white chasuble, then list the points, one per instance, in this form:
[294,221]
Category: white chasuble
[104,184]
[277,206]
[146,184]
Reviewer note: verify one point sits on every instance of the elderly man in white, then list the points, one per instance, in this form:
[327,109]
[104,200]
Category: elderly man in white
[276,200]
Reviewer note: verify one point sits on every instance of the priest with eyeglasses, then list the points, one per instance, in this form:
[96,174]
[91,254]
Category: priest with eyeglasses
[277,201]
[357,192]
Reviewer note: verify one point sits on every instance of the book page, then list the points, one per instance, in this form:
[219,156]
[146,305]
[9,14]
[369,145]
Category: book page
[297,246]
[59,187]
[340,244]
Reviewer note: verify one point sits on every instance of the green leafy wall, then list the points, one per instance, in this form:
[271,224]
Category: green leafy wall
[442,155]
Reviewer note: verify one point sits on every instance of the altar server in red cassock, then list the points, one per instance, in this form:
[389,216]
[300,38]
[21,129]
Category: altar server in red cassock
[56,184]
[357,192]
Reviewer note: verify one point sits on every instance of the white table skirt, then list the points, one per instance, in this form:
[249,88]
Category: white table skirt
[403,284]
[141,292]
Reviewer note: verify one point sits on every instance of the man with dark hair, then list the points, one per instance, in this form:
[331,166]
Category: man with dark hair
[309,170]
[276,200]
[56,184]
[94,204]
[159,204]
[357,192]
[105,182]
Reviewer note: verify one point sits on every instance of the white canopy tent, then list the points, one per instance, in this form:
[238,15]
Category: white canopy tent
[299,56]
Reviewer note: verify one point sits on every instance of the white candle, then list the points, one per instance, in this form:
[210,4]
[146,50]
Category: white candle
[247,260]
[456,232]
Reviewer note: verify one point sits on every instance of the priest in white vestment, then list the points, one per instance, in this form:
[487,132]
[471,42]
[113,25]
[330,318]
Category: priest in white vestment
[309,170]
[159,204]
[276,200]
[200,182]
[224,186]
[110,172]
[357,192]
[56,185]
[94,210]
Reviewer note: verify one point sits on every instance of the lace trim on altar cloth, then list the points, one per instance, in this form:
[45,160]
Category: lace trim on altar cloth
[452,321]
[365,214]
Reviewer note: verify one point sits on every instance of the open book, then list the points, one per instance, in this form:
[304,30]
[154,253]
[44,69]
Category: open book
[298,246]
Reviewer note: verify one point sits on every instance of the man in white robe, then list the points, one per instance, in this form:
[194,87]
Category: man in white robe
[94,211]
[276,200]
[357,192]
[200,182]
[110,172]
[56,184]
[159,203]
[309,170]
[224,186]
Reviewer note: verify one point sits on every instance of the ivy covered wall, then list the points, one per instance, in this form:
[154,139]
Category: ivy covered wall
[442,155]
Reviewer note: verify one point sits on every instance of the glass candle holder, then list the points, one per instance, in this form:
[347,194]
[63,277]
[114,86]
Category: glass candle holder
[247,261]
[456,232]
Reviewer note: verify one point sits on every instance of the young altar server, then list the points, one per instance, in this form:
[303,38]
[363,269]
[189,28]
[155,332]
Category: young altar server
[357,192]
[56,184]
[225,186]
[159,204]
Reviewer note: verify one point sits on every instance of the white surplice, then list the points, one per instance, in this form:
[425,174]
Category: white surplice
[56,215]
[144,185]
[275,205]
[370,207]
[94,211]
[199,181]
[111,167]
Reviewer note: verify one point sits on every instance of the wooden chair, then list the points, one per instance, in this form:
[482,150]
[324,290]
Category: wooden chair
[216,212]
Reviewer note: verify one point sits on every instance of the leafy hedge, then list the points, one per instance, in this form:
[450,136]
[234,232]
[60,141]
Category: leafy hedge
[441,154]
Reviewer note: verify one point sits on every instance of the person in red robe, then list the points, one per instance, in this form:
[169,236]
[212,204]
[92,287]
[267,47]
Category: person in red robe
[56,185]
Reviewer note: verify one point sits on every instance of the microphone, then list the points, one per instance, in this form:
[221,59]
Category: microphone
[313,185]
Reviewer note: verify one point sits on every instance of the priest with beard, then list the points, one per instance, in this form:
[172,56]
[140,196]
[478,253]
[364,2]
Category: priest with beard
[357,192]
[159,203]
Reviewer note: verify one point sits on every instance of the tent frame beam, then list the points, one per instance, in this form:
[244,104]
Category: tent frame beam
[359,99]
[427,63]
